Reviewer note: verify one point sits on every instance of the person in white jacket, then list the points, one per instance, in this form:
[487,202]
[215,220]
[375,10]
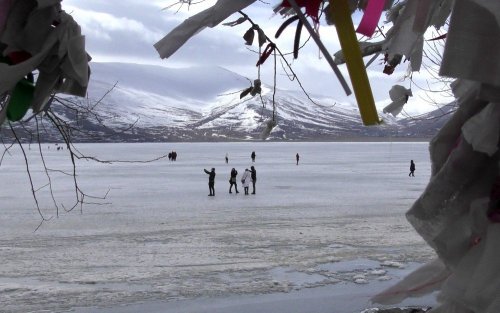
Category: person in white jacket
[246,179]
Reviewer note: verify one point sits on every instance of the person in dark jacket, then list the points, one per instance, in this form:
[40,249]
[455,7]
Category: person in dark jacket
[211,181]
[254,178]
[297,157]
[232,180]
[252,156]
[412,169]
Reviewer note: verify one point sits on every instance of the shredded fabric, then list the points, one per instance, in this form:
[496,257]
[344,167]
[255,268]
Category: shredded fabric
[210,17]
[399,96]
[41,36]
[458,213]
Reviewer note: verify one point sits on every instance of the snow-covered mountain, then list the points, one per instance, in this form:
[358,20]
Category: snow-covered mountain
[135,102]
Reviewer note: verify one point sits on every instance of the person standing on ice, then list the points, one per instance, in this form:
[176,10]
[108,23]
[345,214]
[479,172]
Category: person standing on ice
[245,180]
[232,180]
[297,157]
[211,181]
[253,172]
[412,169]
[227,158]
[252,156]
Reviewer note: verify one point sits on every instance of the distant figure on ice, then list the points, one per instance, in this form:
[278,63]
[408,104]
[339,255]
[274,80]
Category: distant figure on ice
[253,156]
[245,180]
[174,156]
[254,178]
[170,156]
[211,181]
[412,169]
[227,159]
[297,157]
[232,180]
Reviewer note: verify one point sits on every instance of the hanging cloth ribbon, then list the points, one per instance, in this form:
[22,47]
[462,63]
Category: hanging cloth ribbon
[298,31]
[312,7]
[339,9]
[21,98]
[267,52]
[371,17]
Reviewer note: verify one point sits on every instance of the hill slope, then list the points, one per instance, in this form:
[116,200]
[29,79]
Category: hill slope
[151,103]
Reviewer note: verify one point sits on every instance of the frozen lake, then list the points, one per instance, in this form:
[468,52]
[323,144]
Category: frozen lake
[337,217]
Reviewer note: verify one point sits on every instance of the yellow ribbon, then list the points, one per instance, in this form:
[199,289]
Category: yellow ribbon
[339,9]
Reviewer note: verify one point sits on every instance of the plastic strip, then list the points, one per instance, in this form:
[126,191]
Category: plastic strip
[352,53]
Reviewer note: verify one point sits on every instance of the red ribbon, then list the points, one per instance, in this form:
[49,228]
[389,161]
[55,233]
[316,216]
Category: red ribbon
[267,52]
[17,57]
[312,7]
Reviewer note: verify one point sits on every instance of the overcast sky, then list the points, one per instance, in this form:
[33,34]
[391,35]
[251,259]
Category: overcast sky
[125,31]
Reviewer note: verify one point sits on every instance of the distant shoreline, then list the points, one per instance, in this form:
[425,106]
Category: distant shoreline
[357,139]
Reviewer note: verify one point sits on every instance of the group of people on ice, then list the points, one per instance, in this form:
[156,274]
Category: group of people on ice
[172,156]
[248,178]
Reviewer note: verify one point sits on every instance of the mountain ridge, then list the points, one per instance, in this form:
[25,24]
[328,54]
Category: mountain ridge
[150,103]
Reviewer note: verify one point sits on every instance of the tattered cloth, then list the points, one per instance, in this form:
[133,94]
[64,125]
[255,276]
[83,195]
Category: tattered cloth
[52,38]
[210,17]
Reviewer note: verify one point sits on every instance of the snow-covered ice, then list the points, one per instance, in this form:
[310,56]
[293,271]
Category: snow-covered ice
[335,218]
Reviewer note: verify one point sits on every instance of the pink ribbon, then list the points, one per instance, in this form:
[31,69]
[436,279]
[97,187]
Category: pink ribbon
[371,17]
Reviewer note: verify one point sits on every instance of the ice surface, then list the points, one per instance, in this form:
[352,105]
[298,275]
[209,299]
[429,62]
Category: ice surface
[336,298]
[338,214]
